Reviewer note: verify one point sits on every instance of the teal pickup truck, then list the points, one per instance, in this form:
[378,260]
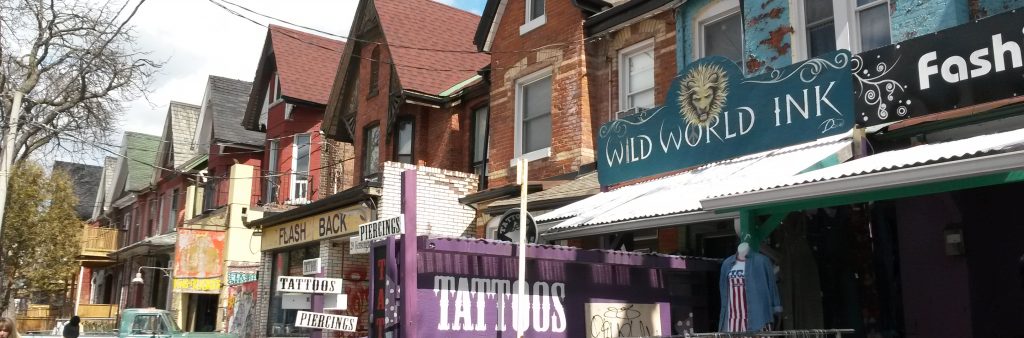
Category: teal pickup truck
[147,323]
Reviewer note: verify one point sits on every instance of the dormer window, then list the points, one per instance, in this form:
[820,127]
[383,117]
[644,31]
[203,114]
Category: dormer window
[535,16]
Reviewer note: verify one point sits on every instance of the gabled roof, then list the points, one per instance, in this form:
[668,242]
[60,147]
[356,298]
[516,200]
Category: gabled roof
[179,130]
[85,180]
[427,24]
[104,194]
[495,9]
[306,64]
[225,104]
[138,159]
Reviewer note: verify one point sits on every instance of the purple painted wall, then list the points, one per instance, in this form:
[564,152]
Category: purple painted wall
[936,294]
[467,295]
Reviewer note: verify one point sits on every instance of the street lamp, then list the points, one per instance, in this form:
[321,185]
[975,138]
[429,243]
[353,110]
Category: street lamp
[138,275]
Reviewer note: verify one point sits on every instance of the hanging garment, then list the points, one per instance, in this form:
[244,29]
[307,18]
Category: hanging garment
[737,298]
[761,292]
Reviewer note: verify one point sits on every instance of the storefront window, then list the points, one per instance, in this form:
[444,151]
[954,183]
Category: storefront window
[287,263]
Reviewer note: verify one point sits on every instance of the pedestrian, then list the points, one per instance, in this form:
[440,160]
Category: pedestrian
[71,328]
[7,328]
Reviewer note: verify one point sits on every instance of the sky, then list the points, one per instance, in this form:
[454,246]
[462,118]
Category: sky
[195,39]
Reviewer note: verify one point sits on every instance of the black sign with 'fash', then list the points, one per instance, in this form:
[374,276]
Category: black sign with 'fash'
[974,63]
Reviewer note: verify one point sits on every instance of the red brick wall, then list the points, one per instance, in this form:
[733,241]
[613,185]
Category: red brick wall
[370,109]
[603,63]
[304,119]
[86,283]
[220,167]
[558,45]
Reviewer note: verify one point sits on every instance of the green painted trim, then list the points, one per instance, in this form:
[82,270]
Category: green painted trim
[459,86]
[891,193]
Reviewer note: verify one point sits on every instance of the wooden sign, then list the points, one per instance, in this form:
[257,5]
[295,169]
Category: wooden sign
[325,321]
[309,285]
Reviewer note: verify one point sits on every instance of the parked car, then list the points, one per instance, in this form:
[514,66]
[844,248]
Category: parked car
[148,323]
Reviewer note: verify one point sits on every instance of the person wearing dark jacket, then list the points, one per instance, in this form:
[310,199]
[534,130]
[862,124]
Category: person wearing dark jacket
[71,329]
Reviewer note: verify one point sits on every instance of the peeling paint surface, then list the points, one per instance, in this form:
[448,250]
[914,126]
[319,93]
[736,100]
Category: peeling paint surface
[768,34]
[993,7]
[913,18]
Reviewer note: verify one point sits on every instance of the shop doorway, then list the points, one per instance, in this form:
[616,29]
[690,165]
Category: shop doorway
[203,312]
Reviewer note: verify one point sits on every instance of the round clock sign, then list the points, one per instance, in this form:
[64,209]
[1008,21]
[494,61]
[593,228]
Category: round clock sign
[509,223]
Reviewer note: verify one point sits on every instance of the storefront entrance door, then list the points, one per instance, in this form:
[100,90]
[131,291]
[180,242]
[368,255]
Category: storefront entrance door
[204,318]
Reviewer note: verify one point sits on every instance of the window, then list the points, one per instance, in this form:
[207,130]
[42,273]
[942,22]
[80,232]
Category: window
[281,322]
[857,25]
[162,214]
[534,16]
[271,181]
[873,23]
[721,32]
[819,19]
[172,215]
[152,217]
[277,87]
[636,76]
[374,71]
[404,141]
[300,168]
[480,141]
[148,325]
[209,194]
[533,116]
[371,150]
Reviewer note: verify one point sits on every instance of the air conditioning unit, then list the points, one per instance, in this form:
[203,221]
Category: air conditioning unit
[629,112]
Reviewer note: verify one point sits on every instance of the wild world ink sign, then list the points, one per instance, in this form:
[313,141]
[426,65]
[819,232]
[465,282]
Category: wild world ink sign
[714,113]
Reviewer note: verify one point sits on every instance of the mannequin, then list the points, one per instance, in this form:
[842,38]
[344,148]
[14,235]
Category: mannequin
[748,291]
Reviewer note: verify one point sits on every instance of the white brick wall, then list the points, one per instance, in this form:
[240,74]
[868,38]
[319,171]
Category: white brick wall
[438,211]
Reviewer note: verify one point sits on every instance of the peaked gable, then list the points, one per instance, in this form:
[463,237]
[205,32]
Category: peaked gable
[176,141]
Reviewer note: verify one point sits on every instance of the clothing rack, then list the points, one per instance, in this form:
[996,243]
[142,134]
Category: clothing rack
[824,333]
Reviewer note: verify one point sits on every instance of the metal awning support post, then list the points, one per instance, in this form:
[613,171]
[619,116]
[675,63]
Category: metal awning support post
[754,232]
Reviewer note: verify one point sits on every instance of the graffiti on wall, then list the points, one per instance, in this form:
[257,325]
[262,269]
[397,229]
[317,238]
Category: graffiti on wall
[198,260]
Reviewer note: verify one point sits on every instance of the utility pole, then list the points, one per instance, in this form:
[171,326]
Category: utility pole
[8,154]
[522,307]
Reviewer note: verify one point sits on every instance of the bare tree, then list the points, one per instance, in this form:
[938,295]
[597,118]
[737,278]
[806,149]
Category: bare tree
[76,62]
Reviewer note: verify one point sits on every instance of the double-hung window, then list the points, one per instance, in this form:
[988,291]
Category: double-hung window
[404,144]
[300,168]
[720,32]
[636,76]
[480,141]
[856,25]
[535,16]
[271,180]
[533,116]
[172,212]
[371,150]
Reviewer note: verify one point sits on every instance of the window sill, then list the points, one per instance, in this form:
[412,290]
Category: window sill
[533,156]
[532,24]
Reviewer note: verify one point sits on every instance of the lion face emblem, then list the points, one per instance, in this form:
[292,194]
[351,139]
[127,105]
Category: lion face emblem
[702,94]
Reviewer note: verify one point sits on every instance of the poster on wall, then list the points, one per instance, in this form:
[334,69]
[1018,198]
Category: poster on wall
[198,260]
[969,64]
[714,113]
[241,305]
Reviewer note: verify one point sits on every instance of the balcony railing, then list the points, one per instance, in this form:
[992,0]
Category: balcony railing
[97,310]
[98,242]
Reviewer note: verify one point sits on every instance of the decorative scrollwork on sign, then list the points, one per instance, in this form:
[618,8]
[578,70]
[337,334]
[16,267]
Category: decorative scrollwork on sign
[620,126]
[874,89]
[807,71]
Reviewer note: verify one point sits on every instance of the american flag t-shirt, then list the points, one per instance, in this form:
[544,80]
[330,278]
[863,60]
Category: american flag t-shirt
[737,298]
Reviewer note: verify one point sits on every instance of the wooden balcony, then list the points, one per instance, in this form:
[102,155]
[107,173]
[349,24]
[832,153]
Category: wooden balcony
[97,244]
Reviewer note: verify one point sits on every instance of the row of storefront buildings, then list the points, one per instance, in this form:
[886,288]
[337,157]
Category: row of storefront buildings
[871,149]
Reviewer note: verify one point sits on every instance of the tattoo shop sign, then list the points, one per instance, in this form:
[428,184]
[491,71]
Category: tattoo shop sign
[714,113]
[382,228]
[325,321]
[309,285]
[970,64]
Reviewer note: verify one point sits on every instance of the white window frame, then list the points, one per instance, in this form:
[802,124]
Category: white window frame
[711,14]
[172,212]
[624,55]
[844,19]
[294,176]
[520,84]
[529,24]
[272,181]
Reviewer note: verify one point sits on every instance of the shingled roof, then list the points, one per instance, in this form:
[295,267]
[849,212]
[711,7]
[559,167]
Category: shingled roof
[139,159]
[226,101]
[179,130]
[85,180]
[306,64]
[427,24]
